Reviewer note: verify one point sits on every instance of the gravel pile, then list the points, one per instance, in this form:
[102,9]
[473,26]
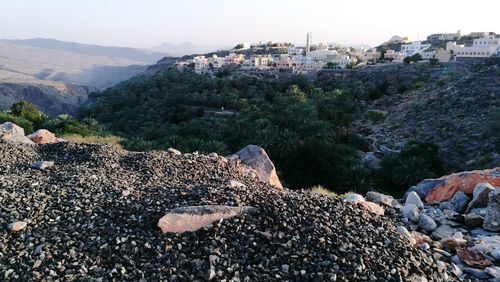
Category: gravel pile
[94,215]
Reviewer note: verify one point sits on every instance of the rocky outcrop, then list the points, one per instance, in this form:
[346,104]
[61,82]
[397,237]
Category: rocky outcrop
[256,158]
[446,186]
[193,218]
[465,229]
[13,133]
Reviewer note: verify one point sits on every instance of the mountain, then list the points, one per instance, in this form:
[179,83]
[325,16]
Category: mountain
[137,55]
[186,48]
[64,72]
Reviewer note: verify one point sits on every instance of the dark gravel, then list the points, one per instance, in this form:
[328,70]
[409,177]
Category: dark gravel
[81,226]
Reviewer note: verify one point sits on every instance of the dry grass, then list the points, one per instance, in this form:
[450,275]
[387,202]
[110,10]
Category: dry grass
[93,139]
[322,190]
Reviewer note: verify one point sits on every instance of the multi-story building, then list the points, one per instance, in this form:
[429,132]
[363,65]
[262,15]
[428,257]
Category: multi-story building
[481,48]
[445,36]
[200,64]
[371,55]
[396,57]
[234,58]
[415,47]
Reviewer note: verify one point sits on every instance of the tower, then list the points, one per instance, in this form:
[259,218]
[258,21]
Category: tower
[308,43]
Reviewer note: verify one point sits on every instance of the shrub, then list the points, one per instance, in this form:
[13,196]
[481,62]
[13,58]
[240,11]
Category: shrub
[28,111]
[323,191]
[418,85]
[375,115]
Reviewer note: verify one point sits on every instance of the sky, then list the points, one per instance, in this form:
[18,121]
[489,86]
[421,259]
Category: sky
[147,23]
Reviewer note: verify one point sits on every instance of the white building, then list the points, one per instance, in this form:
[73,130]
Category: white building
[200,64]
[320,55]
[416,47]
[396,57]
[445,36]
[481,48]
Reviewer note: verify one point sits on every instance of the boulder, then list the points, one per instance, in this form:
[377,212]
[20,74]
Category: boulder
[480,195]
[370,160]
[192,218]
[488,245]
[493,271]
[443,231]
[424,187]
[473,220]
[447,186]
[426,222]
[41,165]
[174,151]
[43,136]
[13,133]
[414,199]
[17,226]
[457,203]
[380,198]
[410,211]
[256,158]
[473,258]
[372,208]
[492,217]
[354,198]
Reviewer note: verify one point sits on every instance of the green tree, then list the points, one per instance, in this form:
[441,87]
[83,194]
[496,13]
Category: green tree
[28,111]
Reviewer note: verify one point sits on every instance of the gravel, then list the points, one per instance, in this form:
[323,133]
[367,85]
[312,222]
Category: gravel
[94,215]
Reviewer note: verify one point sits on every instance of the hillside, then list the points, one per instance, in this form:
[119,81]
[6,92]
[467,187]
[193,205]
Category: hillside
[453,107]
[94,214]
[53,99]
[50,72]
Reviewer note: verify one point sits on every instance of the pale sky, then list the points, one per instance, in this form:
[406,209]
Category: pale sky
[146,23]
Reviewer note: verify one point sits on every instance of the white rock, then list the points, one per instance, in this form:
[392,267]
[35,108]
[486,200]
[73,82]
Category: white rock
[413,198]
[404,232]
[354,198]
[174,151]
[410,211]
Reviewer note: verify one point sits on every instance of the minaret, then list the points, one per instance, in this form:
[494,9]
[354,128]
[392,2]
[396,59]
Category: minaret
[308,43]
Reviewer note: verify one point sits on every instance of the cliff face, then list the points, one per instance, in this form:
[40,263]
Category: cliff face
[51,99]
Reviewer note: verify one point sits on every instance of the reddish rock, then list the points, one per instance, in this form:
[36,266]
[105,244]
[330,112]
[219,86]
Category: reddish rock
[462,181]
[473,258]
[256,163]
[43,136]
[17,226]
[192,218]
[420,238]
[372,208]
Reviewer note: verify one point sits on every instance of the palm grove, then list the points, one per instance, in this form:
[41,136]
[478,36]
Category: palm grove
[305,127]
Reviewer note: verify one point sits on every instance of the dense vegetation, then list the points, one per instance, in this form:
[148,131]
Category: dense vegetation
[30,118]
[304,127]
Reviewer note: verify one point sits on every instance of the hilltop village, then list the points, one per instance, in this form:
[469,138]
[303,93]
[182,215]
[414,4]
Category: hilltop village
[274,57]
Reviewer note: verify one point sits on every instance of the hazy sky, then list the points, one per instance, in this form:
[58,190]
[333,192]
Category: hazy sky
[146,23]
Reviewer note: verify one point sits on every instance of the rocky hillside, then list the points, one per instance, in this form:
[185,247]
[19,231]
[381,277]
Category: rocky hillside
[453,108]
[51,99]
[92,211]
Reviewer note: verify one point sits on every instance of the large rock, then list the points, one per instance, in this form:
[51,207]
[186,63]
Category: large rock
[480,195]
[353,198]
[443,231]
[256,158]
[424,187]
[492,217]
[370,160]
[414,199]
[447,186]
[473,220]
[380,198]
[43,136]
[426,222]
[457,203]
[410,211]
[192,218]
[14,133]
